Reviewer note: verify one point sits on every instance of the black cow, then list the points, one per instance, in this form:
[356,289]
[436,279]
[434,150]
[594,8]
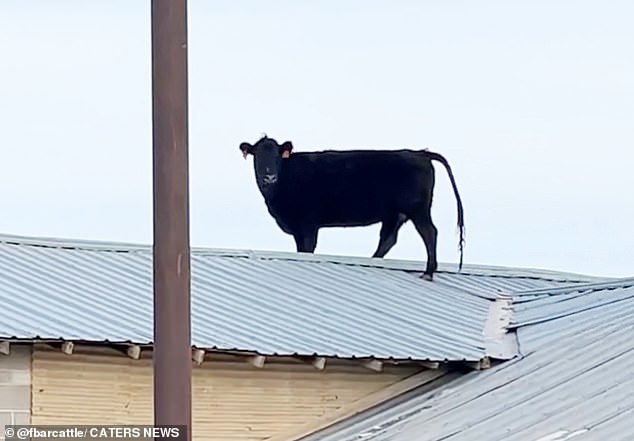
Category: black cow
[307,191]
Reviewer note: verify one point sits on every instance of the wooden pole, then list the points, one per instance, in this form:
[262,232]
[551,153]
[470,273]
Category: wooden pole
[171,251]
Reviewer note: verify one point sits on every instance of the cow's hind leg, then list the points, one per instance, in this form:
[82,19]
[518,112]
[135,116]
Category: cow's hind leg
[428,231]
[389,234]
[306,241]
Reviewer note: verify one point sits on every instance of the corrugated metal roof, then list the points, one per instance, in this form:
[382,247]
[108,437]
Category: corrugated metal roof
[269,303]
[574,381]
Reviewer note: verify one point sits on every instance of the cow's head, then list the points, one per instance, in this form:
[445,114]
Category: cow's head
[267,160]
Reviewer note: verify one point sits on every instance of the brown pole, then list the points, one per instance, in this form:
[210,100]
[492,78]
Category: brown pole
[172,335]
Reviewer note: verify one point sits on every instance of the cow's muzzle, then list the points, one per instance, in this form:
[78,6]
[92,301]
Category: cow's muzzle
[269,179]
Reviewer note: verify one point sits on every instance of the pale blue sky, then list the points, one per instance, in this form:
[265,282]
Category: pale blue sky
[531,102]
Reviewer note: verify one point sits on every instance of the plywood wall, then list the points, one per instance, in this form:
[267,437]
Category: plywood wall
[231,401]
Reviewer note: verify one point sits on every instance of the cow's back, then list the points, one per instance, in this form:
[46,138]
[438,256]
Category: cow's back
[358,187]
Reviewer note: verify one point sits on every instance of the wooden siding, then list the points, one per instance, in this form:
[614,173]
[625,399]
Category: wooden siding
[231,401]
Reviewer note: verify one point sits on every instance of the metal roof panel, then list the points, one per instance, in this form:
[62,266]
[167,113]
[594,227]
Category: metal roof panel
[267,302]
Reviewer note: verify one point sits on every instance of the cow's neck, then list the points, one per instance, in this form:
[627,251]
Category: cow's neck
[273,199]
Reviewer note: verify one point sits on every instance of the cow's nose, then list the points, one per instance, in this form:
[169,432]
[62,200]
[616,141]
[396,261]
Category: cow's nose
[270,179]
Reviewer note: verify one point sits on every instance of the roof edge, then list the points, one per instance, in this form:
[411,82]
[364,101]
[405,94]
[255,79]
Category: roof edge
[395,264]
[605,284]
[424,362]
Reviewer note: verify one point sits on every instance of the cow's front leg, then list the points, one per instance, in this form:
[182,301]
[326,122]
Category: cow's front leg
[306,240]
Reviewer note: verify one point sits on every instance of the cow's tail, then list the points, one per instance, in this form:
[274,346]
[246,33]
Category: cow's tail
[443,161]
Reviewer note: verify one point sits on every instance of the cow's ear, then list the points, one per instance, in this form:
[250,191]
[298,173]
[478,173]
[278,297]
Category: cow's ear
[247,149]
[286,149]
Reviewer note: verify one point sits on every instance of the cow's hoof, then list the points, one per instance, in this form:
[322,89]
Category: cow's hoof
[427,277]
